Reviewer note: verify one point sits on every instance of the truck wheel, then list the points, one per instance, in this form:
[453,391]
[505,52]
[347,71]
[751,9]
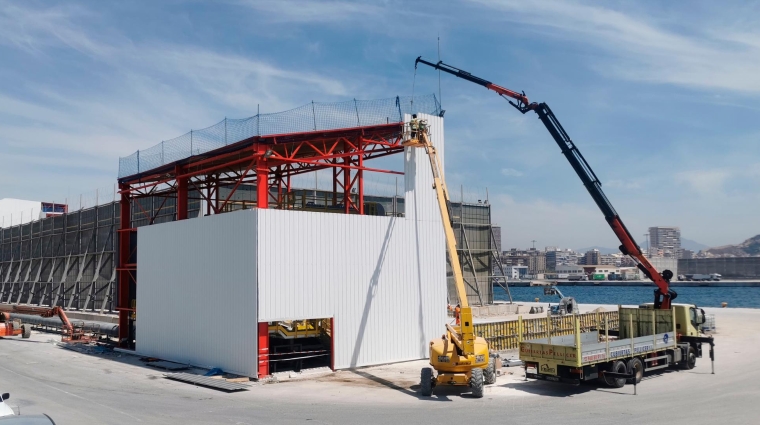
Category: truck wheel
[636,367]
[26,330]
[690,360]
[476,382]
[489,373]
[618,366]
[426,382]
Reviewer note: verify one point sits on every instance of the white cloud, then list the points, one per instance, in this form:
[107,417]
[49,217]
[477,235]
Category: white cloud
[643,49]
[33,30]
[705,182]
[316,11]
[550,223]
[623,184]
[511,172]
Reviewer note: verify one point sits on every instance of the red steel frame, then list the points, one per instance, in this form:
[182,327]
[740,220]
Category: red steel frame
[269,159]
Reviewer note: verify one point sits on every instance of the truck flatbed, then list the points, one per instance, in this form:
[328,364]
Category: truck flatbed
[646,340]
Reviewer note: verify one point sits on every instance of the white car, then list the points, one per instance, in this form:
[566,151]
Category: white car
[5,410]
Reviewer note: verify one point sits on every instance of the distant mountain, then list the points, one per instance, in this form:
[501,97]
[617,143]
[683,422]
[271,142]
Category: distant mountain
[602,250]
[692,245]
[748,248]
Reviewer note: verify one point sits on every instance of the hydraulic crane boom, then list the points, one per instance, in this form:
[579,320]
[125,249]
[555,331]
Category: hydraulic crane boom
[663,295]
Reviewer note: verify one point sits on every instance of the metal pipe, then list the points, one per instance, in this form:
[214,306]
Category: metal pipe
[104,328]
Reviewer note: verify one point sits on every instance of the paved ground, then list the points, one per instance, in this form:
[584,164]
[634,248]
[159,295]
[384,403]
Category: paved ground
[76,388]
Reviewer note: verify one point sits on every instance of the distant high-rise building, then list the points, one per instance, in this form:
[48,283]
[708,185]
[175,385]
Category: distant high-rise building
[590,258]
[667,239]
[536,262]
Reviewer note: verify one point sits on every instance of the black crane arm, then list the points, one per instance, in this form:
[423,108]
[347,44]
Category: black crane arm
[663,294]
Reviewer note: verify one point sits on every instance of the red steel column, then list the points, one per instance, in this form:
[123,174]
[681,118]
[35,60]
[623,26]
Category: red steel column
[123,304]
[332,343]
[263,349]
[347,185]
[360,176]
[181,194]
[262,184]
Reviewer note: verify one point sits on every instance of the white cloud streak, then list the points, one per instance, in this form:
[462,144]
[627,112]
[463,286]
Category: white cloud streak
[511,172]
[312,11]
[642,49]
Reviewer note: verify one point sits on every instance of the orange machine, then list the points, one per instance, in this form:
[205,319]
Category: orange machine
[10,328]
[69,332]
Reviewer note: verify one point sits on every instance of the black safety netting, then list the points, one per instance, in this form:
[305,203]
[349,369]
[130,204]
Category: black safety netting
[310,117]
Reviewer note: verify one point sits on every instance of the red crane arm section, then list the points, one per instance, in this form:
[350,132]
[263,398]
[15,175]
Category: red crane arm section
[633,250]
[509,93]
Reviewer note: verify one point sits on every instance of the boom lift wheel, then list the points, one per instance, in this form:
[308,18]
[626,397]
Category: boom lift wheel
[618,366]
[690,360]
[489,373]
[426,382]
[636,367]
[26,330]
[476,382]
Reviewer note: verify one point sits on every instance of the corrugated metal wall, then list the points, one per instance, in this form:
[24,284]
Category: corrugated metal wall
[382,278]
[197,291]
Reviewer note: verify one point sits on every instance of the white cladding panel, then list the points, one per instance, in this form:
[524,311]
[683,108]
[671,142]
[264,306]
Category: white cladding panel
[18,211]
[383,279]
[196,291]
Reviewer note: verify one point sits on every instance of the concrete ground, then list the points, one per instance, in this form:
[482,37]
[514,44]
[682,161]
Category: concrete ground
[113,388]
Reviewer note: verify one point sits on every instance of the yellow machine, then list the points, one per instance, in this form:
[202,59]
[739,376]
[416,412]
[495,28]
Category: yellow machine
[459,357]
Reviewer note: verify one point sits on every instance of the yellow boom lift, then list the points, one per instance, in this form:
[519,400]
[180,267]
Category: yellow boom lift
[458,356]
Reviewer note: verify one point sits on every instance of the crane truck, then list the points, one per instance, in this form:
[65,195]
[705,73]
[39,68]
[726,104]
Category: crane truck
[459,357]
[654,336]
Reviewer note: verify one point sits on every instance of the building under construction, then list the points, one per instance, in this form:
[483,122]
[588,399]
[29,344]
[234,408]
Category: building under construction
[300,277]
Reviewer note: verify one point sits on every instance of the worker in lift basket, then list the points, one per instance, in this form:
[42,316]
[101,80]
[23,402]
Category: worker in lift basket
[456,311]
[414,125]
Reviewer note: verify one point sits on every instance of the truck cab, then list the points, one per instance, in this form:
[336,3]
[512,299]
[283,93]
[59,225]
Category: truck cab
[689,318]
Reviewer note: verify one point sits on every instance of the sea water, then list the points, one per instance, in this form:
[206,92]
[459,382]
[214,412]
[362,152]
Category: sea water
[747,297]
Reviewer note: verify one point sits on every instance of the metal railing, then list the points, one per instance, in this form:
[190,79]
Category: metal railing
[508,334]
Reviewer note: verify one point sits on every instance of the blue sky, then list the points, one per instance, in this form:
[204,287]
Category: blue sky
[661,97]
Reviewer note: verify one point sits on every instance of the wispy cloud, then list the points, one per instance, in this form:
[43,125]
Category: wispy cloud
[644,50]
[314,11]
[624,184]
[33,29]
[511,172]
[714,181]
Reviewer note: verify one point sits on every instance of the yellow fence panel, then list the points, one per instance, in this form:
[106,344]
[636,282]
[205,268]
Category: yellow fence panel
[506,335]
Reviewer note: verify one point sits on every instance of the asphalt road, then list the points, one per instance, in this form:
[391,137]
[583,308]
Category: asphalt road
[76,388]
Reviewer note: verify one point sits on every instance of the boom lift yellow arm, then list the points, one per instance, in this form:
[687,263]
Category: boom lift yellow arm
[459,357]
[464,337]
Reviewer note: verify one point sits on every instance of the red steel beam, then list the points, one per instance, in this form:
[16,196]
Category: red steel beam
[122,300]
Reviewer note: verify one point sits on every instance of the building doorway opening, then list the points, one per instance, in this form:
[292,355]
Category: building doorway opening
[295,345]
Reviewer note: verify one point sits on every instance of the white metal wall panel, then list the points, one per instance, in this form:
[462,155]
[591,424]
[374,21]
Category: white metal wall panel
[420,202]
[196,293]
[383,279]
[18,211]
